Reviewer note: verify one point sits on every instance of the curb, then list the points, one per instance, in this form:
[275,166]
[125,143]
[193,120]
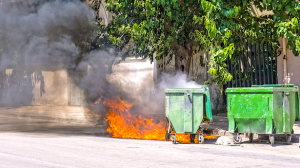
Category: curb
[47,118]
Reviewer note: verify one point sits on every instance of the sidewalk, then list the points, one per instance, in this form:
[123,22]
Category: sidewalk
[52,120]
[66,114]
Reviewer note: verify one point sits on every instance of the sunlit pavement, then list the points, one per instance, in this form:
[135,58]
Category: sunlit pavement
[50,150]
[29,143]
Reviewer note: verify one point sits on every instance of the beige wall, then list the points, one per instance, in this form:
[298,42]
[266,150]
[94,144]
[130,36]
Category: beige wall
[103,13]
[55,89]
[52,90]
[293,67]
[47,86]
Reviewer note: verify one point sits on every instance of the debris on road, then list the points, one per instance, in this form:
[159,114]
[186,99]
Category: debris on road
[224,140]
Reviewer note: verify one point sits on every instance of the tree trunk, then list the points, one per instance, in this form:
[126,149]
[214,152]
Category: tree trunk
[183,60]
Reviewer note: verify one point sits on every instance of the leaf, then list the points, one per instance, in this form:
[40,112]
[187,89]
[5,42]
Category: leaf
[169,14]
[136,27]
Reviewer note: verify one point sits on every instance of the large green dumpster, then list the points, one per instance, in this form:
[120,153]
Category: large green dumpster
[184,109]
[263,109]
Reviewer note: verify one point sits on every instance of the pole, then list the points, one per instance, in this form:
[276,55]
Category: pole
[285,73]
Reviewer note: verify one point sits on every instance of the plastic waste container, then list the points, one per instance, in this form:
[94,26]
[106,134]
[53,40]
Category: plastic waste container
[263,109]
[184,109]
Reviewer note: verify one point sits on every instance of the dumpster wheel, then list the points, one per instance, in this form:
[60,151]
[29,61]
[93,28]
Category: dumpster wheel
[251,138]
[272,140]
[200,139]
[237,139]
[288,139]
[173,137]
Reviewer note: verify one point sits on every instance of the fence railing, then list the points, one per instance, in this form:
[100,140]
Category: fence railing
[255,65]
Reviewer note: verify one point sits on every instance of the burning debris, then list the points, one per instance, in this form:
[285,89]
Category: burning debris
[122,124]
[223,140]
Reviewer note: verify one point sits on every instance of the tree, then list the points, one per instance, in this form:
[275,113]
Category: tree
[182,27]
[230,22]
[164,26]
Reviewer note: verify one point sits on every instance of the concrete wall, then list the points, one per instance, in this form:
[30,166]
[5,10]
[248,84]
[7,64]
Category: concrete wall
[54,91]
[293,68]
[107,16]
[40,85]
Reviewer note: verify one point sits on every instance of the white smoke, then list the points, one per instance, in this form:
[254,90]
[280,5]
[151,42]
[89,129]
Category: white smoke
[179,80]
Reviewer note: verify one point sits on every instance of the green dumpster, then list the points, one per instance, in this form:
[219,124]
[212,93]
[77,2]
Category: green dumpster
[184,109]
[263,109]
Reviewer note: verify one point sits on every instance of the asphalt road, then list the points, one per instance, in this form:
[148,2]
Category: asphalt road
[50,150]
[36,144]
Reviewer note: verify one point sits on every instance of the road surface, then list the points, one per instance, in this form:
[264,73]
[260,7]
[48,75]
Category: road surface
[50,150]
[37,144]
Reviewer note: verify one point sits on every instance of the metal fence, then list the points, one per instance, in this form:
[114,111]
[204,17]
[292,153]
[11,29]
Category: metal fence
[255,65]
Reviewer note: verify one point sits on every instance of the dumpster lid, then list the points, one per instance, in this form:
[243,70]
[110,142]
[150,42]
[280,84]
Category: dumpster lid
[186,90]
[274,85]
[269,88]
[202,89]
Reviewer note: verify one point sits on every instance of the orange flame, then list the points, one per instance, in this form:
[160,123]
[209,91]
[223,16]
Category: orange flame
[122,124]
[182,138]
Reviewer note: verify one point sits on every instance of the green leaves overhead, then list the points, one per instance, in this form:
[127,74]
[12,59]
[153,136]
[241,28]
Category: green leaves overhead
[167,25]
[153,25]
[230,22]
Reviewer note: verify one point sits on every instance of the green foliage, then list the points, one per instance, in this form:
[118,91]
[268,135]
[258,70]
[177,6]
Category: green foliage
[164,25]
[234,21]
[148,26]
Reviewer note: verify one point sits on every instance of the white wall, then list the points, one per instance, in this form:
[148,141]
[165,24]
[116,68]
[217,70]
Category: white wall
[293,67]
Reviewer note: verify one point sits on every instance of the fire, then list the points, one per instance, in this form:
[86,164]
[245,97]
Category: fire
[122,124]
[187,139]
[183,138]
[210,136]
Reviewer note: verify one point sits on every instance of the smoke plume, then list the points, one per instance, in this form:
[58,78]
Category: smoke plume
[52,35]
[36,36]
